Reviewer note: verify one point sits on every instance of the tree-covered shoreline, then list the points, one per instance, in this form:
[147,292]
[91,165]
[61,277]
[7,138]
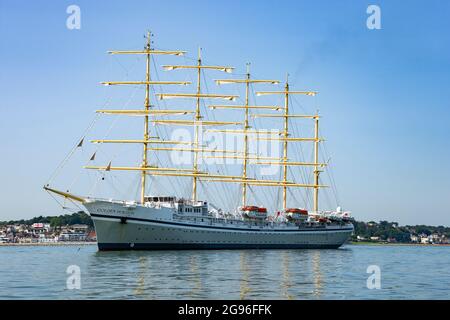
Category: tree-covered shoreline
[55,221]
[392,232]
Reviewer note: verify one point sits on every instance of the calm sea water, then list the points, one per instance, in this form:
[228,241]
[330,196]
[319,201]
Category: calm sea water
[407,272]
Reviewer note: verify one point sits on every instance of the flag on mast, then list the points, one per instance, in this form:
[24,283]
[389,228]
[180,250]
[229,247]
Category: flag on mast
[80,144]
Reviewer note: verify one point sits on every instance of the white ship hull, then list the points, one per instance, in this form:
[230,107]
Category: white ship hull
[135,227]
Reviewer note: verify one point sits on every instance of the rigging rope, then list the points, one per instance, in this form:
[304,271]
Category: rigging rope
[72,151]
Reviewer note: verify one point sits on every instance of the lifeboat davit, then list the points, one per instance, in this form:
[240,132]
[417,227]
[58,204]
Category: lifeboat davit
[254,212]
[296,214]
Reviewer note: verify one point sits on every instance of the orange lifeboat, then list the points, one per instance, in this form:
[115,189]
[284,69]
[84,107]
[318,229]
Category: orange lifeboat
[254,212]
[296,214]
[250,208]
[322,220]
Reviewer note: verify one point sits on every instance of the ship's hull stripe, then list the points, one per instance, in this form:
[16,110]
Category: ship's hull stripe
[202,246]
[216,227]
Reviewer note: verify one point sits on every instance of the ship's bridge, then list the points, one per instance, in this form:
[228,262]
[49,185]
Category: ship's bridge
[181,205]
[160,199]
[192,208]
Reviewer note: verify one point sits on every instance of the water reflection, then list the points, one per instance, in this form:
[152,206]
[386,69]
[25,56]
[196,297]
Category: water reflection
[142,271]
[317,276]
[244,283]
[196,277]
[286,283]
[227,274]
[203,275]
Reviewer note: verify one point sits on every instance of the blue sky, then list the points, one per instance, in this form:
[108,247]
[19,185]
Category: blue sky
[384,94]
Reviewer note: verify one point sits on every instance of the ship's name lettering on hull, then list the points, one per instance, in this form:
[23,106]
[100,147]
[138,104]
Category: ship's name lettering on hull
[103,210]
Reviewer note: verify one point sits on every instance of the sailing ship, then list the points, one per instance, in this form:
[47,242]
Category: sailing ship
[171,222]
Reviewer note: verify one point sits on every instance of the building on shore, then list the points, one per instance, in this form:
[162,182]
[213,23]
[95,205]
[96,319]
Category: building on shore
[80,228]
[72,236]
[45,233]
[40,228]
